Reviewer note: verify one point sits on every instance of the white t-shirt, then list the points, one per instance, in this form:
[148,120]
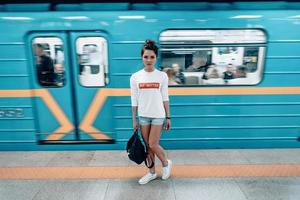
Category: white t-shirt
[148,91]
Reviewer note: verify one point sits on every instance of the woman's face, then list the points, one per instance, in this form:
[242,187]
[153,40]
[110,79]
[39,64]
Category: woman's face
[149,58]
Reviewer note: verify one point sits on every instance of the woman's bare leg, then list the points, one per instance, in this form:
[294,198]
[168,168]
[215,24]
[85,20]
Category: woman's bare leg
[145,129]
[155,133]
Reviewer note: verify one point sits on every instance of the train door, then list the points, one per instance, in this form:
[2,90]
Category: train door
[69,71]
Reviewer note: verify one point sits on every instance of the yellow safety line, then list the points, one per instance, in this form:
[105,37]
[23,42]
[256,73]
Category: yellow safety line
[128,172]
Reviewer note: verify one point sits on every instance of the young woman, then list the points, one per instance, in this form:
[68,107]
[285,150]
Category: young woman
[149,97]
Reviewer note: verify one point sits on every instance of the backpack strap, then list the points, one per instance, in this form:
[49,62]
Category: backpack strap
[147,162]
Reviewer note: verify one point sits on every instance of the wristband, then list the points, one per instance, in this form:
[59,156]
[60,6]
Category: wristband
[168,117]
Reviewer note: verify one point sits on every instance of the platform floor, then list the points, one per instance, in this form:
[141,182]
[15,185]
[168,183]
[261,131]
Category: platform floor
[239,174]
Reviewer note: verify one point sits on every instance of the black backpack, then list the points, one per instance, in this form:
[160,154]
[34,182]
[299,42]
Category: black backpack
[136,150]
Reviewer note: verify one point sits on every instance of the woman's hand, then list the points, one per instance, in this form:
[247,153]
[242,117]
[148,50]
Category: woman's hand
[134,124]
[168,124]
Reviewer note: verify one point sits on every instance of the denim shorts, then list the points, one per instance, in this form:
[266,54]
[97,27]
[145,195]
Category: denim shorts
[152,121]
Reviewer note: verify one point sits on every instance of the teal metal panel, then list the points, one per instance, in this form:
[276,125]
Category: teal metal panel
[262,5]
[144,6]
[67,7]
[27,7]
[13,67]
[221,6]
[281,79]
[231,144]
[15,102]
[226,121]
[14,82]
[20,135]
[120,80]
[282,65]
[10,123]
[288,50]
[183,6]
[128,66]
[12,52]
[214,133]
[105,121]
[127,50]
[293,5]
[105,6]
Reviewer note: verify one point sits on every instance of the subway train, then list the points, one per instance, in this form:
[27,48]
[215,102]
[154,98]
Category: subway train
[234,73]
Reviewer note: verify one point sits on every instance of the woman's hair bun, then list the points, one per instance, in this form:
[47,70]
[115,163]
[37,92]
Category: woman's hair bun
[149,45]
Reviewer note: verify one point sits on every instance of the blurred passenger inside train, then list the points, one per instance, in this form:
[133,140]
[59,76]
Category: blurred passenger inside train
[241,72]
[213,73]
[199,62]
[59,68]
[179,76]
[45,66]
[208,71]
[229,73]
[213,77]
[240,76]
[171,76]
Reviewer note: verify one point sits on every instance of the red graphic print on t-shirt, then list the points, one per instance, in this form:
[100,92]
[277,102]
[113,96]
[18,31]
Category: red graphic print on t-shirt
[148,85]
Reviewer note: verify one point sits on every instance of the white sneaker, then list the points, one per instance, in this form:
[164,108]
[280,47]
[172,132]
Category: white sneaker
[166,171]
[148,177]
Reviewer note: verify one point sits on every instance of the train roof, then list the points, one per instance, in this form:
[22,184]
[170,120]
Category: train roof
[104,6]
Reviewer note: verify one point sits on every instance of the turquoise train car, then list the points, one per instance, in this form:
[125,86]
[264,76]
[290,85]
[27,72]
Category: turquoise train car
[65,69]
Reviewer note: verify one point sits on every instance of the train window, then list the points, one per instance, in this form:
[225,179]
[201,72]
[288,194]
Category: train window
[92,61]
[213,57]
[49,61]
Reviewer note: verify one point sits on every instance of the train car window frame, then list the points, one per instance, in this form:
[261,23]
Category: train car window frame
[92,54]
[213,56]
[49,61]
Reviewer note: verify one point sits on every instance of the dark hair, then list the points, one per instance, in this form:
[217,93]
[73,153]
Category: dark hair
[149,45]
[38,45]
[242,71]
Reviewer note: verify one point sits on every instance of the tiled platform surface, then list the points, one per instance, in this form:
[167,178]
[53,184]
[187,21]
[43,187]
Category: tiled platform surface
[180,188]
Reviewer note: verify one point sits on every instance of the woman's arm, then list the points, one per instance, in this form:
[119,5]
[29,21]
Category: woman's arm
[134,122]
[168,119]
[133,90]
[165,97]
